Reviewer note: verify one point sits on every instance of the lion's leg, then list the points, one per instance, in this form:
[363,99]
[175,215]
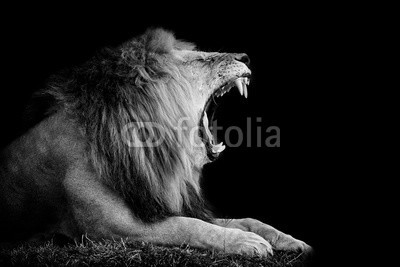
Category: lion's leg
[197,233]
[118,222]
[101,213]
[278,239]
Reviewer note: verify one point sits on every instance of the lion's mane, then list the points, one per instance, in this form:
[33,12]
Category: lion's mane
[137,82]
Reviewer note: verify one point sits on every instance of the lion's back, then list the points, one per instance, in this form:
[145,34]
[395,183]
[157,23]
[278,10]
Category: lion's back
[32,170]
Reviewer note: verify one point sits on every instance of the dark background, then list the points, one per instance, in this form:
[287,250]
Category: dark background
[291,56]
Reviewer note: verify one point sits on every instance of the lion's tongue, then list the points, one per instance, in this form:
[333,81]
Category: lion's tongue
[216,148]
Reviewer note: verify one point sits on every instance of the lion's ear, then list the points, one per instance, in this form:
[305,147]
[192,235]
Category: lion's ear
[159,41]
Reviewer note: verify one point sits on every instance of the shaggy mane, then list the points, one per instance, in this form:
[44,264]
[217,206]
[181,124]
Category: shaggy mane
[136,83]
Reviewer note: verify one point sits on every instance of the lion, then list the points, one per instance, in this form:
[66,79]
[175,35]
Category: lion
[119,148]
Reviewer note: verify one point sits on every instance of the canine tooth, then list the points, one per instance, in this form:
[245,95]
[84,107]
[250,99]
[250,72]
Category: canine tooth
[244,89]
[238,84]
[218,148]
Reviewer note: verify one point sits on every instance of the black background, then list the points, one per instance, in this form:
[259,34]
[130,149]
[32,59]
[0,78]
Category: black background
[291,55]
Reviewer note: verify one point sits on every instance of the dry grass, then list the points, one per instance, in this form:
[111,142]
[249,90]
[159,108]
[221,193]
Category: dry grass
[120,253]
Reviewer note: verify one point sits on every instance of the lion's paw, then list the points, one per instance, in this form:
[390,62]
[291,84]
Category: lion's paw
[287,242]
[247,243]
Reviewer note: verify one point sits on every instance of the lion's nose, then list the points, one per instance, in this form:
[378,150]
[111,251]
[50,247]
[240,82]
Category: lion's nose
[243,58]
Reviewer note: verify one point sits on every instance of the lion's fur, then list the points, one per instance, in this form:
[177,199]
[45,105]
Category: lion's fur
[137,82]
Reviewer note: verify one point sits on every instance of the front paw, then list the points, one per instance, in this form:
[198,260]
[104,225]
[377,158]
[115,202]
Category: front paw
[247,243]
[279,240]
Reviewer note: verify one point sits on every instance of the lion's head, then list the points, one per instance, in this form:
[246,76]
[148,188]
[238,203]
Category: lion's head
[208,75]
[153,87]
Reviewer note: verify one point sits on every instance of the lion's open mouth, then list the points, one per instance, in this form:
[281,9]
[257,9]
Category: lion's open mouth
[213,147]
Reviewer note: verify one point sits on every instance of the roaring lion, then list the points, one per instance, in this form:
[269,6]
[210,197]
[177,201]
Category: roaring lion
[119,150]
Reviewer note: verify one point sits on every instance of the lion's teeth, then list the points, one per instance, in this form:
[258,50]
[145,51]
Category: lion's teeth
[218,148]
[238,84]
[245,90]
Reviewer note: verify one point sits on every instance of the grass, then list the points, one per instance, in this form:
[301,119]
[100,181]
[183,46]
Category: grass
[120,253]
